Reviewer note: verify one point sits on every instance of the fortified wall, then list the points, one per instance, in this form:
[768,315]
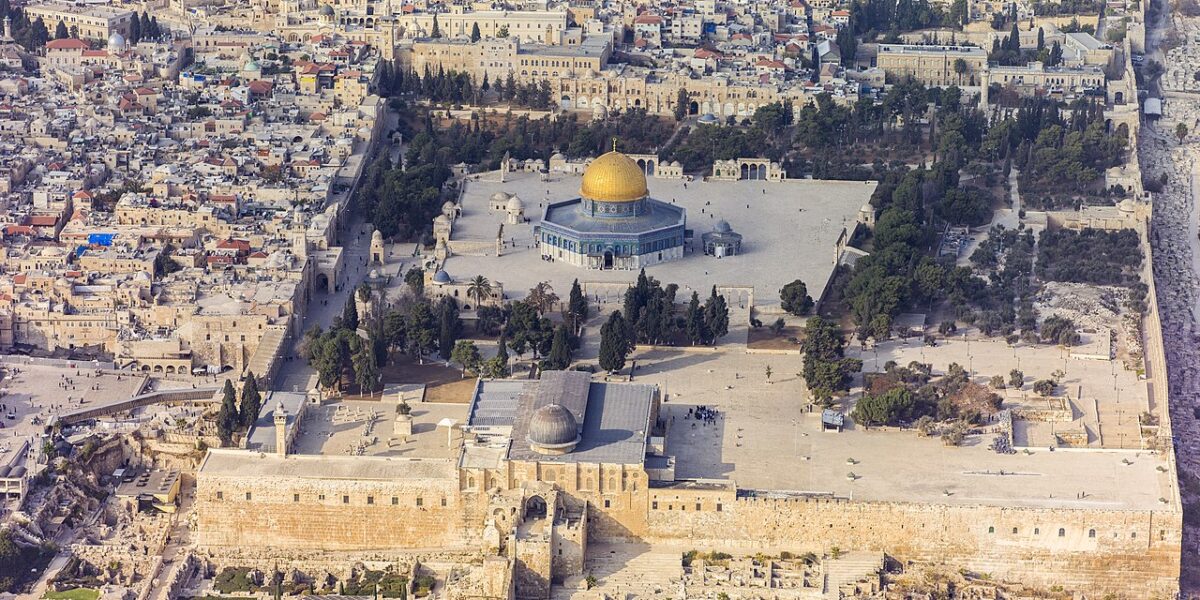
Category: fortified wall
[314,504]
[1133,552]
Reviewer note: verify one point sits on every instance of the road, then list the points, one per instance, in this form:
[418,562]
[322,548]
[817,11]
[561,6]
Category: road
[295,374]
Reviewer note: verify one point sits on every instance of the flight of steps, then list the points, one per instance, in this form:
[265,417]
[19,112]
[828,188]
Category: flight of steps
[628,571]
[849,568]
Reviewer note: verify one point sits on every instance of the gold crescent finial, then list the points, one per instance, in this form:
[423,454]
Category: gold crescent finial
[614,144]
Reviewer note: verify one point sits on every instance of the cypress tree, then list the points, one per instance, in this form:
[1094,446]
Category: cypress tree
[449,327]
[502,356]
[577,306]
[251,401]
[695,321]
[227,417]
[437,31]
[560,349]
[716,317]
[350,314]
[475,32]
[614,343]
[135,30]
[60,31]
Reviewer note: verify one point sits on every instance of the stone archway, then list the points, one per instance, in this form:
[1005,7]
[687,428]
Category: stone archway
[693,108]
[535,508]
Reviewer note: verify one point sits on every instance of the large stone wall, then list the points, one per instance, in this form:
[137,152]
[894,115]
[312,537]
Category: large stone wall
[1097,551]
[334,514]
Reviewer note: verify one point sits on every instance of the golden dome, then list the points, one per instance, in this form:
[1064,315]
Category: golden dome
[613,177]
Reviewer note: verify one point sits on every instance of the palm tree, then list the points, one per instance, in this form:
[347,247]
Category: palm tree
[960,67]
[478,289]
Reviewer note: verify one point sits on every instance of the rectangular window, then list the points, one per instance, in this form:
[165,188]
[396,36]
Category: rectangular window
[718,507]
[697,506]
[295,497]
[443,502]
[370,499]
[321,497]
[220,495]
[420,502]
[607,503]
[395,501]
[345,499]
[654,505]
[247,495]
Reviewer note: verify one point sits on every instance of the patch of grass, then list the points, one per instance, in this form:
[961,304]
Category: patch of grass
[234,579]
[74,594]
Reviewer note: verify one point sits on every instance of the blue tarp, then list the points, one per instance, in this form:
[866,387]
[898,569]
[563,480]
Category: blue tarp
[101,239]
[80,250]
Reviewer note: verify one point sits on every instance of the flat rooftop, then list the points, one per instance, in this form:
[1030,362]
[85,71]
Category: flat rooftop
[239,463]
[367,428]
[794,223]
[766,439]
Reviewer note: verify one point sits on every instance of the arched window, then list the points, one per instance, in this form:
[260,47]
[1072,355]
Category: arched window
[991,530]
[1091,533]
[1037,531]
[1062,532]
[1014,531]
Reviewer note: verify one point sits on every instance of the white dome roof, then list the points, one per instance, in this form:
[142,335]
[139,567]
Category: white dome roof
[116,42]
[515,204]
[500,197]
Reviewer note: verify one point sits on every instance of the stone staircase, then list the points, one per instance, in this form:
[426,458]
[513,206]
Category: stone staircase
[849,568]
[627,571]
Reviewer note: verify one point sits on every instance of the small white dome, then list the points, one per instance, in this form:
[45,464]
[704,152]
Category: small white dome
[116,42]
[500,197]
[515,204]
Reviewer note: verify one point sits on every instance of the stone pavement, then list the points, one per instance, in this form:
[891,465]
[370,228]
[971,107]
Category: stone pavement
[789,230]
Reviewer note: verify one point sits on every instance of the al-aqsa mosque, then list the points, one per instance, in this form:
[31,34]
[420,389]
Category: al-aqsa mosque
[614,223]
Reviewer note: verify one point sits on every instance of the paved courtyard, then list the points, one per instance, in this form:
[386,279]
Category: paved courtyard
[765,438]
[794,223]
[33,394]
[1106,399]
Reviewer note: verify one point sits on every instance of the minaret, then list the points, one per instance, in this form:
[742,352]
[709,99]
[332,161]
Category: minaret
[281,429]
[8,29]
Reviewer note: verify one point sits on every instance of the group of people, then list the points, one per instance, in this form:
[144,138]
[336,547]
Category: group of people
[703,414]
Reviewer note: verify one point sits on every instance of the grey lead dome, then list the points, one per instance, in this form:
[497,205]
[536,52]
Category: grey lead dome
[552,428]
